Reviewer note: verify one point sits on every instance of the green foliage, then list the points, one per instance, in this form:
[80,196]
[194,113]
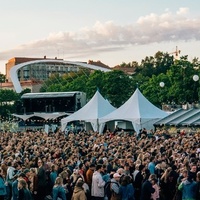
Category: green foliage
[27,90]
[7,102]
[117,87]
[95,81]
[2,78]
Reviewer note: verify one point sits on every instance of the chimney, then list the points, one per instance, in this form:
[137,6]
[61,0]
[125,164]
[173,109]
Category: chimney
[45,57]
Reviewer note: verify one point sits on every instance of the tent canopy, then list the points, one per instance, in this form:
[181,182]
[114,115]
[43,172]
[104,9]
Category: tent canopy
[138,110]
[96,108]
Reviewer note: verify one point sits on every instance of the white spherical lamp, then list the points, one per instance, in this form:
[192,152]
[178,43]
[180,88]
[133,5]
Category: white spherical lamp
[195,77]
[162,84]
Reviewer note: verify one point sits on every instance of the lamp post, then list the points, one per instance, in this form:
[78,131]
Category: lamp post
[162,85]
[195,94]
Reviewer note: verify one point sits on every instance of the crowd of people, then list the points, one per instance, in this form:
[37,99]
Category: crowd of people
[88,165]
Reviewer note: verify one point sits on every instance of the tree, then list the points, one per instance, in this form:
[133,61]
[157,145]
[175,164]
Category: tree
[95,81]
[152,90]
[2,79]
[118,87]
[7,102]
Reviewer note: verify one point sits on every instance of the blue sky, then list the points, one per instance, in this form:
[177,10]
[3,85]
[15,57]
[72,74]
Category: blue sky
[112,31]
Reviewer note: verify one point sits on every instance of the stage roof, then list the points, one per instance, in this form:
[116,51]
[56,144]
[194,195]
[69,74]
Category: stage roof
[48,95]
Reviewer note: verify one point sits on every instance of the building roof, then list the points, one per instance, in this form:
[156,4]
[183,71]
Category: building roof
[48,95]
[26,59]
[126,70]
[181,117]
[98,63]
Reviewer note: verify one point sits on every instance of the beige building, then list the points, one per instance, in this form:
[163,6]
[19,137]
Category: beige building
[32,75]
[34,86]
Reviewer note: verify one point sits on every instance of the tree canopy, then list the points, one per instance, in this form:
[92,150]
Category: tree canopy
[117,87]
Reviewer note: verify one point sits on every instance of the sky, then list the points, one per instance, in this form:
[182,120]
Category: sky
[112,31]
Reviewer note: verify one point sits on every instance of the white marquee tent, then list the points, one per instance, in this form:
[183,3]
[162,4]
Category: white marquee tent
[137,110]
[96,108]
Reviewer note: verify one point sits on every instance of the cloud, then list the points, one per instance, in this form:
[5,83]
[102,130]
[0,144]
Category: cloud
[182,11]
[107,37]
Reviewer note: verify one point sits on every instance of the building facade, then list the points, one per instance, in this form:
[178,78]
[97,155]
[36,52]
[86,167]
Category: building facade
[39,71]
[22,73]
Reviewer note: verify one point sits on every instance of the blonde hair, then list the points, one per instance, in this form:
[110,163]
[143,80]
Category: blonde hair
[198,176]
[33,170]
[23,183]
[63,174]
[58,181]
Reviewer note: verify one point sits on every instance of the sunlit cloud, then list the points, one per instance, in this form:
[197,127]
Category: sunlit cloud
[109,36]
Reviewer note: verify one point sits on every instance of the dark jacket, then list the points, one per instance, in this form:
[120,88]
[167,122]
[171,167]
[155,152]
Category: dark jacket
[147,190]
[138,180]
[42,181]
[24,194]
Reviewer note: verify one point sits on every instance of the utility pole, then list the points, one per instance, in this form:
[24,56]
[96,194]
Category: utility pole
[176,53]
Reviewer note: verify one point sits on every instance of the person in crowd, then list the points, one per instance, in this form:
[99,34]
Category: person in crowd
[85,187]
[146,174]
[147,189]
[198,185]
[15,191]
[159,170]
[127,169]
[89,174]
[26,178]
[33,178]
[138,181]
[151,165]
[164,184]
[135,171]
[172,181]
[2,186]
[126,189]
[97,189]
[182,177]
[156,194]
[188,188]
[115,185]
[10,178]
[58,189]
[193,171]
[79,193]
[53,174]
[41,185]
[24,193]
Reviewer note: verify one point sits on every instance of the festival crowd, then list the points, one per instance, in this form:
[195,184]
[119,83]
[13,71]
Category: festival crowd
[91,166]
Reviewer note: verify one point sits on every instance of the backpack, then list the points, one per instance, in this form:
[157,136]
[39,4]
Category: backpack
[107,189]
